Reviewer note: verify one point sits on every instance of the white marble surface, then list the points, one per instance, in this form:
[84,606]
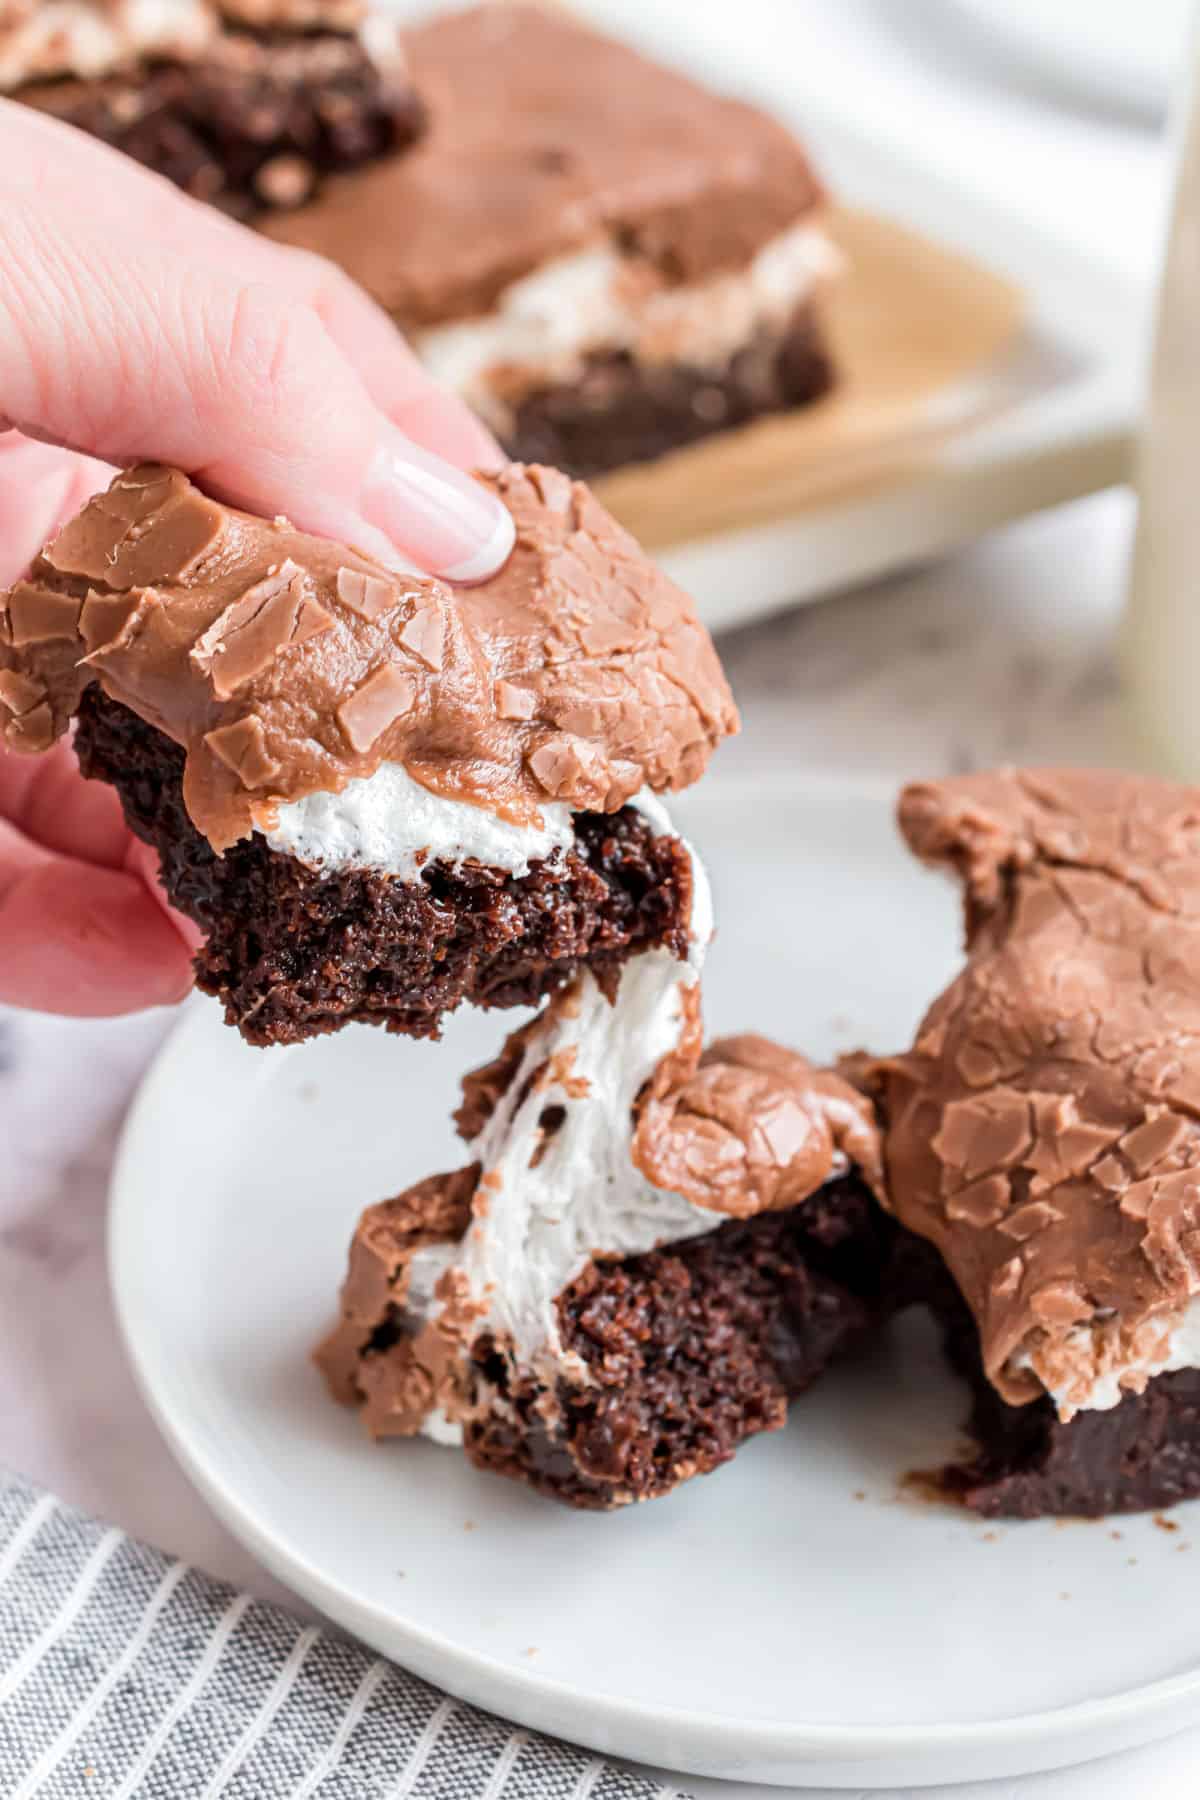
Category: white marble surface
[1004,653]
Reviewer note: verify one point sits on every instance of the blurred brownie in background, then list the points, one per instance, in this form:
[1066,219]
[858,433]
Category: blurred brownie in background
[245,103]
[605,259]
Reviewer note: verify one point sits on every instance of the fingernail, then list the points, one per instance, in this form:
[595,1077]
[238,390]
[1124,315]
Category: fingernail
[448,523]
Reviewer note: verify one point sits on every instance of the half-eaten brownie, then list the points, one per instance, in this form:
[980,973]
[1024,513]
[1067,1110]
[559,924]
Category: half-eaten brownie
[650,1254]
[378,795]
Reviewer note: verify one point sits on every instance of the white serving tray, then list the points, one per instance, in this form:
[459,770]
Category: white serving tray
[1070,434]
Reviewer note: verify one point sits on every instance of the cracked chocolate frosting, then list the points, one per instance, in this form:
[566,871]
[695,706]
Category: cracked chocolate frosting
[751,1127]
[284,664]
[1044,1130]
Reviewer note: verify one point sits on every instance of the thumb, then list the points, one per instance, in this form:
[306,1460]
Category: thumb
[40,489]
[131,354]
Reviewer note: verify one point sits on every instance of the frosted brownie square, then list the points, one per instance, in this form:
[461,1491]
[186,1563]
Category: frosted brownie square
[604,258]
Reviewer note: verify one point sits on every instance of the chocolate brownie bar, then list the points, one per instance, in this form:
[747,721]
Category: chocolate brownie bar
[377,794]
[250,108]
[1139,1456]
[1042,1134]
[605,259]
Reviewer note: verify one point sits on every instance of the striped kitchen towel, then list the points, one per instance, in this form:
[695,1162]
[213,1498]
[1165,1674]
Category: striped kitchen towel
[125,1673]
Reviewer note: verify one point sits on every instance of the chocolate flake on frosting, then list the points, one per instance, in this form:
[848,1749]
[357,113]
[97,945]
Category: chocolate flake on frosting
[751,1127]
[280,609]
[111,622]
[19,693]
[425,636]
[514,702]
[382,699]
[242,747]
[37,617]
[368,595]
[285,665]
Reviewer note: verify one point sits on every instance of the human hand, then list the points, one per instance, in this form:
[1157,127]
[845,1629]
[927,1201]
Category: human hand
[137,324]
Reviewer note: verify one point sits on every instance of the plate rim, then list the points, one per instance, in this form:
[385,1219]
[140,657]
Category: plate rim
[701,1742]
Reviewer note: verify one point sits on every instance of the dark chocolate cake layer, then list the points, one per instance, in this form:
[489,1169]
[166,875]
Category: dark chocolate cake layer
[623,410]
[690,1351]
[253,124]
[1139,1456]
[292,953]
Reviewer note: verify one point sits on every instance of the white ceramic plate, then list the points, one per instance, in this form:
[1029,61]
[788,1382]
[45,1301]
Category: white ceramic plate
[797,1617]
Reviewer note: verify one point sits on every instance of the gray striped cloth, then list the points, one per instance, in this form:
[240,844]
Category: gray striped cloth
[126,1673]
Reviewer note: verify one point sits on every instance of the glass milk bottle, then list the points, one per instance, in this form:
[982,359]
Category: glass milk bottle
[1162,630]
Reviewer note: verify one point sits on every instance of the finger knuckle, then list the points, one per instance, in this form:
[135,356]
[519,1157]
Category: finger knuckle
[261,360]
[260,346]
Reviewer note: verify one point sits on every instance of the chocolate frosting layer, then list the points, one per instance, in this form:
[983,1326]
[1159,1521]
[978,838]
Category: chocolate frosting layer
[285,664]
[1044,1130]
[745,1128]
[543,138]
